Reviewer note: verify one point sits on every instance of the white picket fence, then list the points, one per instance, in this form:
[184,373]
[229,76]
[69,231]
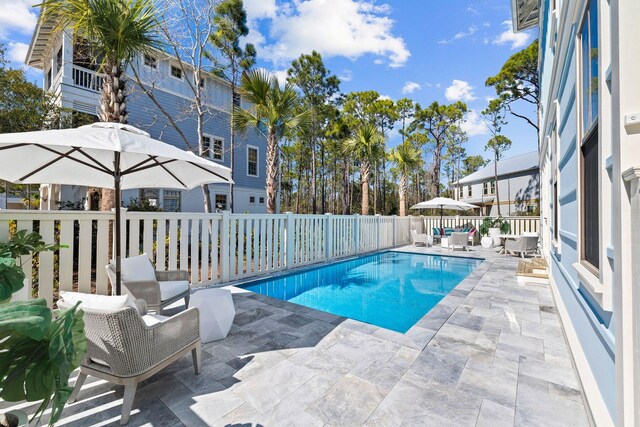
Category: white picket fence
[214,248]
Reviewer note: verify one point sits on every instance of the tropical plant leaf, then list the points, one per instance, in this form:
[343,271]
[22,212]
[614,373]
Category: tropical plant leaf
[28,318]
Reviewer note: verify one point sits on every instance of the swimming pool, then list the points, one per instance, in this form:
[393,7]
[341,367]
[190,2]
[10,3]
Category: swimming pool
[392,290]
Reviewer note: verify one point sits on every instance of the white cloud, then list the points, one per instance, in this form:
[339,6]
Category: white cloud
[387,97]
[460,35]
[349,28]
[410,87]
[378,61]
[474,125]
[17,15]
[516,40]
[345,76]
[459,91]
[281,75]
[17,52]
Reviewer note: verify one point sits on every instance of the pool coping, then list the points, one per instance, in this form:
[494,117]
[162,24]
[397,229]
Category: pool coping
[417,337]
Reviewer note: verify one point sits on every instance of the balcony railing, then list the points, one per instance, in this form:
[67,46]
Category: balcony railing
[87,79]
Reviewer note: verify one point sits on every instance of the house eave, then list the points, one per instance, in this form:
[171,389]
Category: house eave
[524,14]
[40,44]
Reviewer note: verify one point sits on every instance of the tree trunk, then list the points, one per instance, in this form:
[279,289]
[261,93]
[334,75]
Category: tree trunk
[232,145]
[495,177]
[112,109]
[403,194]
[346,199]
[375,189]
[314,190]
[272,172]
[364,172]
[323,206]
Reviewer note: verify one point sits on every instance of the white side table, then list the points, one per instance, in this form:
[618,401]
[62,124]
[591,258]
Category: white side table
[444,242]
[216,313]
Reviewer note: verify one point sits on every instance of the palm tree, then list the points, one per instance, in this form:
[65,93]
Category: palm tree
[406,159]
[274,112]
[366,146]
[116,32]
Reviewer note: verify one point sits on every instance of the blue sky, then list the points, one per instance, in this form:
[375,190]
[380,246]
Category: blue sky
[427,50]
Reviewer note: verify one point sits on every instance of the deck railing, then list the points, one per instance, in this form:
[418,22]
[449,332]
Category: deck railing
[87,79]
[214,248]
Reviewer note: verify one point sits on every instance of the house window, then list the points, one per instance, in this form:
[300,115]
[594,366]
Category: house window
[176,72]
[172,201]
[469,191]
[489,188]
[261,200]
[590,170]
[151,195]
[58,61]
[252,161]
[212,147]
[236,99]
[151,62]
[203,82]
[221,202]
[252,199]
[555,195]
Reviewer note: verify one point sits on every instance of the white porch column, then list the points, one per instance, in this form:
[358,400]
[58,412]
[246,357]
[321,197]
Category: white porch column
[328,236]
[289,239]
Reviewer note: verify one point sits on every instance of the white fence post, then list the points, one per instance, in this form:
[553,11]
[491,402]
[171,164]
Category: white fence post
[328,236]
[289,240]
[378,220]
[356,232]
[395,232]
[224,246]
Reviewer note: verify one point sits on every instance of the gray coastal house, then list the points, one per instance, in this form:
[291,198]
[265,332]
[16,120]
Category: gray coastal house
[69,74]
[518,186]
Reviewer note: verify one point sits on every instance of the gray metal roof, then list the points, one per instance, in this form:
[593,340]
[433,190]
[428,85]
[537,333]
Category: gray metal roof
[507,166]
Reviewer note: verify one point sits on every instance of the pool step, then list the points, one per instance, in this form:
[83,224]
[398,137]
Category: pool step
[532,271]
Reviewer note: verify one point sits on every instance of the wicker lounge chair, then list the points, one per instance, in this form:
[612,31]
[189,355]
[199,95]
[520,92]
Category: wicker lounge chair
[126,346]
[523,245]
[420,238]
[158,288]
[459,240]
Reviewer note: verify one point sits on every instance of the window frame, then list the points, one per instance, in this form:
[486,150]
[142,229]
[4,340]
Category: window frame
[59,60]
[226,200]
[176,67]
[166,195]
[249,148]
[469,191]
[212,139]
[154,58]
[252,200]
[584,136]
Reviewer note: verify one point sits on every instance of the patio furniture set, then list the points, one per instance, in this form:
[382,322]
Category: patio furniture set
[452,238]
[127,344]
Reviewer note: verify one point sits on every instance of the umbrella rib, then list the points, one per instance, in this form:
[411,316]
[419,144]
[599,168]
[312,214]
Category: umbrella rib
[133,168]
[66,155]
[105,169]
[60,157]
[168,171]
[9,147]
[211,172]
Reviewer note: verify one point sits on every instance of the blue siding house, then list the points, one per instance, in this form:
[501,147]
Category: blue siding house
[589,145]
[67,74]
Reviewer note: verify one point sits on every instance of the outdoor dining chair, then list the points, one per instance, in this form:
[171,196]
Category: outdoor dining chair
[158,288]
[125,345]
[523,245]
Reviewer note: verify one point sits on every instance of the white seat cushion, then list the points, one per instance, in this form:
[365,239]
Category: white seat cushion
[137,268]
[105,303]
[152,319]
[171,288]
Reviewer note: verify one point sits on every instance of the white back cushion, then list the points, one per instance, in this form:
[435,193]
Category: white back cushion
[107,303]
[137,268]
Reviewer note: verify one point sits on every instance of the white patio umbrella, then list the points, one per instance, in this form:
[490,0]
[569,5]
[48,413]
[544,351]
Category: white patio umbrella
[108,155]
[444,203]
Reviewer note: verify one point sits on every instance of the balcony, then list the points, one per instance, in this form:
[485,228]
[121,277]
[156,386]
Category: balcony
[87,79]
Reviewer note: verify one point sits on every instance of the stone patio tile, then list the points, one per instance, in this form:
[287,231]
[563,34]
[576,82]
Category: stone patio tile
[459,333]
[394,337]
[382,374]
[251,316]
[269,387]
[436,366]
[491,382]
[206,409]
[552,372]
[209,377]
[295,321]
[537,407]
[495,415]
[401,402]
[522,345]
[349,402]
[405,356]
[420,336]
[467,321]
[362,327]
[450,403]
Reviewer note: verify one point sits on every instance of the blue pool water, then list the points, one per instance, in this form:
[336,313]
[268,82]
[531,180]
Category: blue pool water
[392,290]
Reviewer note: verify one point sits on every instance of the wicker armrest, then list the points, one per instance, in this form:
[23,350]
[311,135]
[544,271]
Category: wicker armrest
[141,305]
[174,334]
[148,290]
[172,275]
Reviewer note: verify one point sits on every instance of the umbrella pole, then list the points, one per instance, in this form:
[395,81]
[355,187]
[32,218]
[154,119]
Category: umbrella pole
[116,186]
[441,229]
